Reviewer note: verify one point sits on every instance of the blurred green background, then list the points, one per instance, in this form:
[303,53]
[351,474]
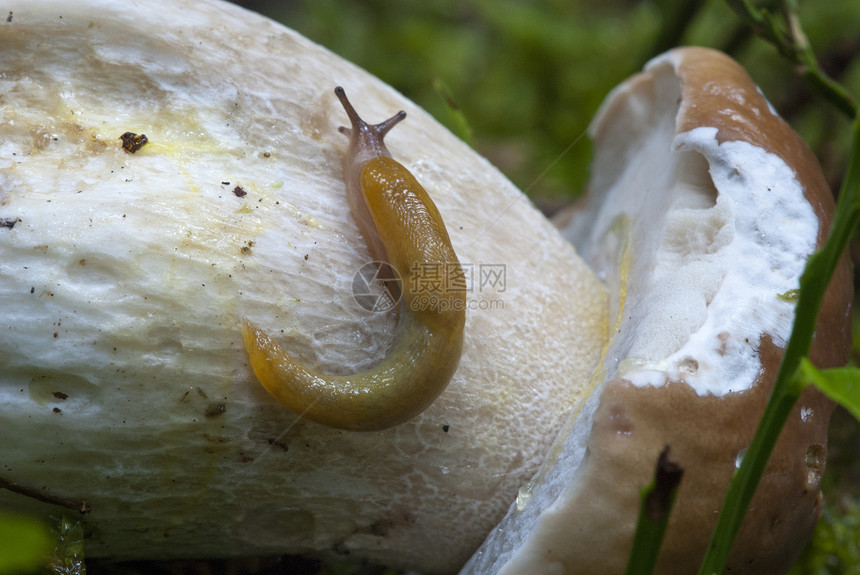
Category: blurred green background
[520,80]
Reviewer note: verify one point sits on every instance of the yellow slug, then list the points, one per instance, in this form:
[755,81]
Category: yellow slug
[402,227]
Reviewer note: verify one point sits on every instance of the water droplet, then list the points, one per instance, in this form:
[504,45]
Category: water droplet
[740,457]
[816,455]
[524,495]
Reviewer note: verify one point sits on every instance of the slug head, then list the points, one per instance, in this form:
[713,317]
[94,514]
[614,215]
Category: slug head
[365,140]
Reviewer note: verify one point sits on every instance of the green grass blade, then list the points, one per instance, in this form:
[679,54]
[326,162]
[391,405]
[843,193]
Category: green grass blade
[787,386]
[455,118]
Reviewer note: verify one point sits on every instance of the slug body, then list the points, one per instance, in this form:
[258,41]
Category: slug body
[403,228]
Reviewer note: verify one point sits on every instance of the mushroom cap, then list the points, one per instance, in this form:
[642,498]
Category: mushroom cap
[703,206]
[124,278]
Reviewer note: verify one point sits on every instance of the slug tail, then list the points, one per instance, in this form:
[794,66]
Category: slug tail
[411,376]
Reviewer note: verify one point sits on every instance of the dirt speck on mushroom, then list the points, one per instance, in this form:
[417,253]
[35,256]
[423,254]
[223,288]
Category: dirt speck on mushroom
[132,142]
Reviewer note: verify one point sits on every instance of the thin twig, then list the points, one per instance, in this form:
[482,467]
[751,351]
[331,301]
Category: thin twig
[78,505]
[656,502]
[793,45]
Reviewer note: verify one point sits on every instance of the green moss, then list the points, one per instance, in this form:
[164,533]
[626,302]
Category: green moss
[835,547]
[68,556]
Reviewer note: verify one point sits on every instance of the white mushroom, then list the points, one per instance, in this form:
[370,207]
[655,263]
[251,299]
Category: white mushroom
[125,278]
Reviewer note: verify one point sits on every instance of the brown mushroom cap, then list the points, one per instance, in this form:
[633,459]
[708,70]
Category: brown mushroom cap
[690,160]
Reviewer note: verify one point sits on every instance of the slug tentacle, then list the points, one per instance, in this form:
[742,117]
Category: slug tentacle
[402,227]
[373,133]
